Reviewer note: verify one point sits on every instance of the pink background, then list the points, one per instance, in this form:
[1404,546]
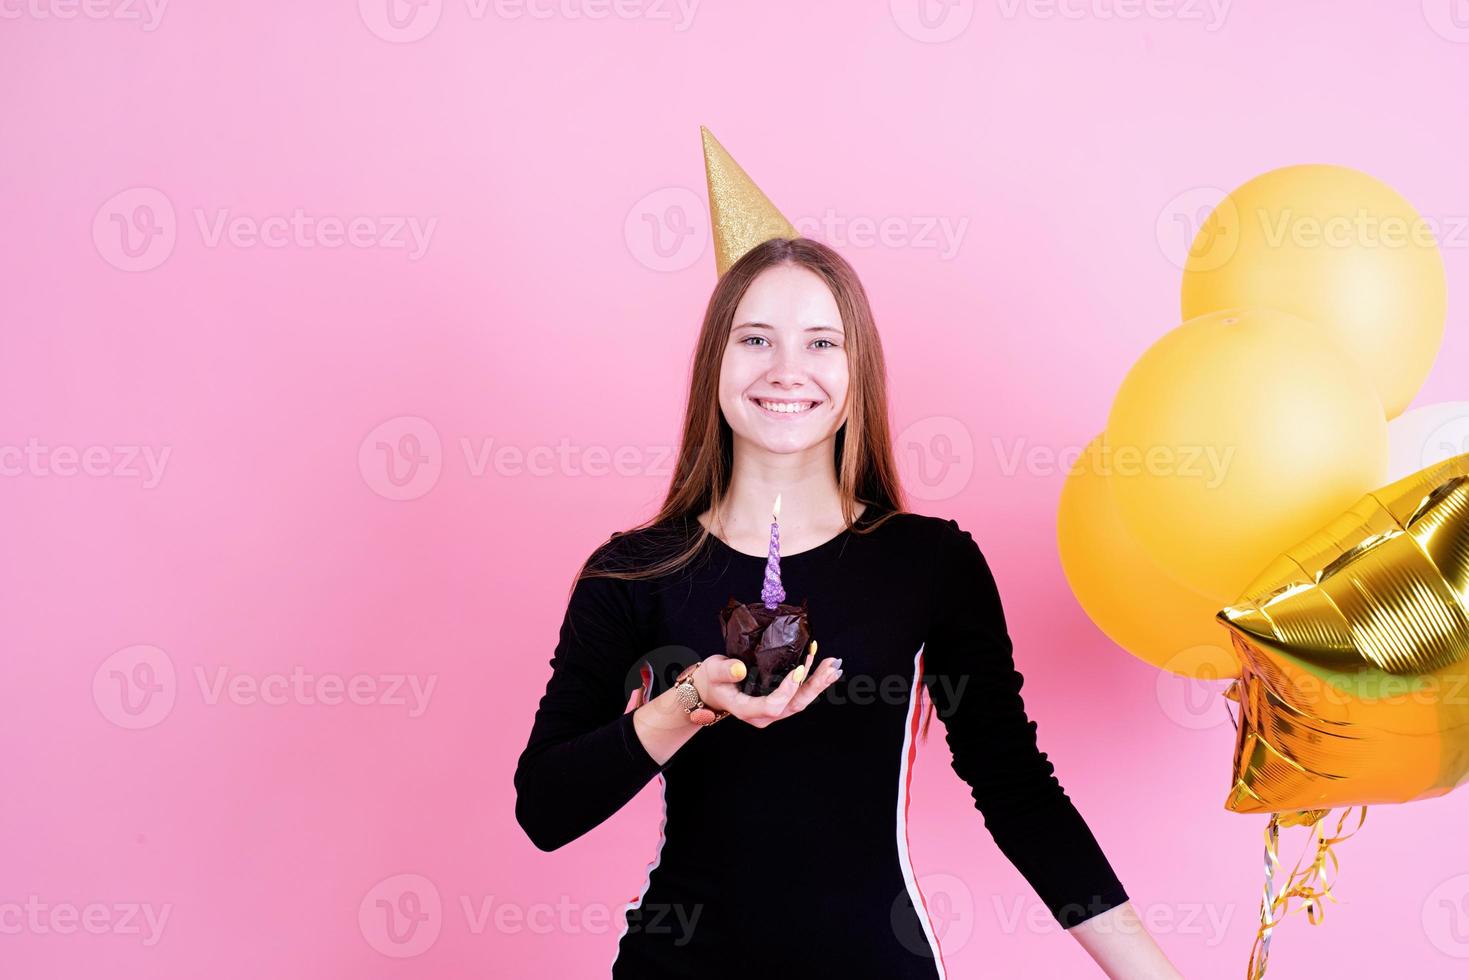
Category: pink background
[1071,145]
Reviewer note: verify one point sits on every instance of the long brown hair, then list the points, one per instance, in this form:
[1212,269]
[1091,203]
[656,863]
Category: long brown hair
[866,472]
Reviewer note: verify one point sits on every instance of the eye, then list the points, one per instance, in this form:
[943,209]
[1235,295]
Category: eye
[748,339]
[823,340]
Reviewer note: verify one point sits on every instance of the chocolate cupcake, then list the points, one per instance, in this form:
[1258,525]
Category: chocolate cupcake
[770,641]
[769,636]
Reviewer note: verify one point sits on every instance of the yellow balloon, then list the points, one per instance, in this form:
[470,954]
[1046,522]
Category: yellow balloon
[1234,433]
[1337,247]
[1141,609]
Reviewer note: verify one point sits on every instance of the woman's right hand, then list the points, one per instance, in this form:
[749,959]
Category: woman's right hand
[718,684]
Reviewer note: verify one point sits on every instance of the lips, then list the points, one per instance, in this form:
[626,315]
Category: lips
[785,408]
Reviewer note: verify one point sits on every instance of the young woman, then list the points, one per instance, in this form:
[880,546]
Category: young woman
[784,844]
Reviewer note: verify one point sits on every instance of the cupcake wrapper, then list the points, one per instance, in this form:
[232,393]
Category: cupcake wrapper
[770,642]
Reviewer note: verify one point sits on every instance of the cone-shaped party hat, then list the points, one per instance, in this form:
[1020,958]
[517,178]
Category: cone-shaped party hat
[740,214]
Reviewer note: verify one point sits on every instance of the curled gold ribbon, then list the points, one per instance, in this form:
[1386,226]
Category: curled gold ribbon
[1310,884]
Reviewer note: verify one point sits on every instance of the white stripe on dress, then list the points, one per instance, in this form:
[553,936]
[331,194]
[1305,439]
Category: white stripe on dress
[905,777]
[647,675]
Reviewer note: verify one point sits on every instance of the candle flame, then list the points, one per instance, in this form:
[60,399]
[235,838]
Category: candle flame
[776,512]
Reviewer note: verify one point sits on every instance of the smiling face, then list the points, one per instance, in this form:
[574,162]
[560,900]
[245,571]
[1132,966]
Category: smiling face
[783,379]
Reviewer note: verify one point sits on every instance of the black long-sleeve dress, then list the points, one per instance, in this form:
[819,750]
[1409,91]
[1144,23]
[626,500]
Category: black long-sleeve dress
[786,848]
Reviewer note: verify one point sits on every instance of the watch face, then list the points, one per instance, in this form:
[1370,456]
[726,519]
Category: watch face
[688,695]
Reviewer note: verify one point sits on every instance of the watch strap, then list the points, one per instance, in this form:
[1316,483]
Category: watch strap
[693,705]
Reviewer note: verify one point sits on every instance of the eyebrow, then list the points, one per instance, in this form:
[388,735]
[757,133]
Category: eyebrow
[756,325]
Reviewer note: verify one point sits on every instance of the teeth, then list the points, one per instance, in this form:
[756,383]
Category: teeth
[786,408]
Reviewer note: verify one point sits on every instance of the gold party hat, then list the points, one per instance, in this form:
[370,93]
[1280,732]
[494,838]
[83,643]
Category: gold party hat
[740,214]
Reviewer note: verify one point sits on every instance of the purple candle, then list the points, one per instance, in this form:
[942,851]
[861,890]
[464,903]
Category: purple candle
[772,592]
[768,636]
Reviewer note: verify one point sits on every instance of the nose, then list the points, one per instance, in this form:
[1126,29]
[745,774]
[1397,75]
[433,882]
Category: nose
[785,367]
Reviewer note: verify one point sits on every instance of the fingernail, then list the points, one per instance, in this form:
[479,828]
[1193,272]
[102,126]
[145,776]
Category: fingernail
[813,646]
[837,663]
[800,673]
[738,670]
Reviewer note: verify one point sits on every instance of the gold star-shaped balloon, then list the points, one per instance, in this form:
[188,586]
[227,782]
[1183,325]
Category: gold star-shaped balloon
[1355,653]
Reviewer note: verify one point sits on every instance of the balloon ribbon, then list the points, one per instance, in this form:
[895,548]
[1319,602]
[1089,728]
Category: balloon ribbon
[1308,884]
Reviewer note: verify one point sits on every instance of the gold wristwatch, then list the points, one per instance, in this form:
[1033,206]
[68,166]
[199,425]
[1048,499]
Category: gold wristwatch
[688,697]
